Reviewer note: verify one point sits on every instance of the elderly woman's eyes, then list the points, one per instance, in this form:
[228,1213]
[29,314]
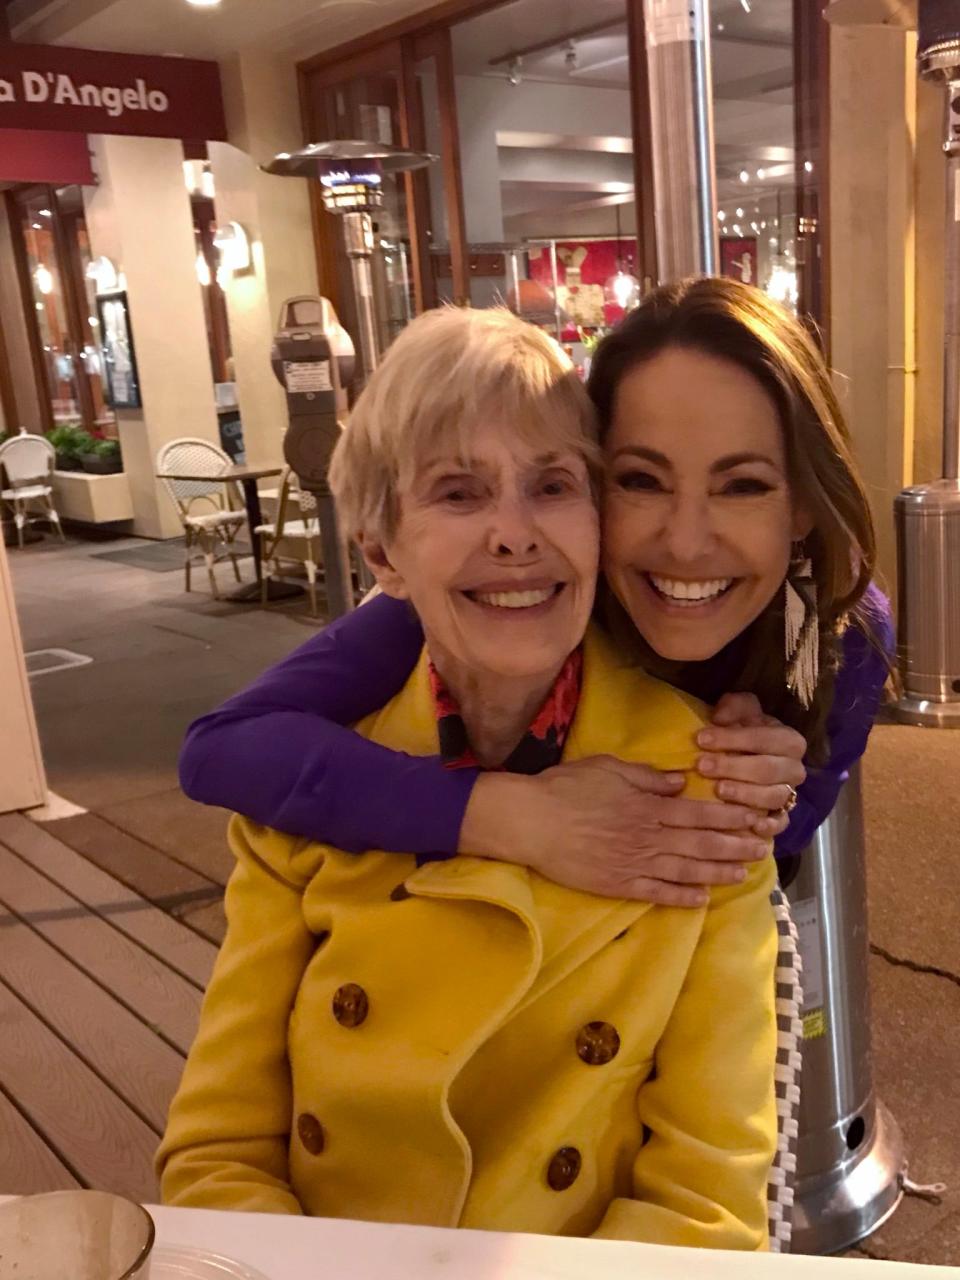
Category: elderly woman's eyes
[558,484]
[457,491]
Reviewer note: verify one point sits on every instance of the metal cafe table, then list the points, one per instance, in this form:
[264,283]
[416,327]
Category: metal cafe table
[247,478]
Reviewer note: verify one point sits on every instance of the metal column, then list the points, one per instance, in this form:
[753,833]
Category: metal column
[681,110]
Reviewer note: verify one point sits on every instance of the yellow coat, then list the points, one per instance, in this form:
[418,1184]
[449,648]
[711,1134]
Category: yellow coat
[484,1048]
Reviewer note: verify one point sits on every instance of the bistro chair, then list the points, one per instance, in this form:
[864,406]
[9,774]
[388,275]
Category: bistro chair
[292,537]
[28,462]
[210,522]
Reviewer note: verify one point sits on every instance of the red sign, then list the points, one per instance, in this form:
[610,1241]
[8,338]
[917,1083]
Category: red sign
[60,159]
[83,91]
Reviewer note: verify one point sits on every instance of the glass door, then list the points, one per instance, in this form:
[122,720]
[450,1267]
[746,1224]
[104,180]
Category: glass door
[362,99]
[56,258]
[389,95]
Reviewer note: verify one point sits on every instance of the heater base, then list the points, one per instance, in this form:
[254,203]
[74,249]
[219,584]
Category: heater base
[924,711]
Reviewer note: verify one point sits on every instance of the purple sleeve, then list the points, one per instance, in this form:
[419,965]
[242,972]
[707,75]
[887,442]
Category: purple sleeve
[859,685]
[281,751]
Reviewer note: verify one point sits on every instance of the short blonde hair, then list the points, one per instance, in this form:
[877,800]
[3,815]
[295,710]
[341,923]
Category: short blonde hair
[448,371]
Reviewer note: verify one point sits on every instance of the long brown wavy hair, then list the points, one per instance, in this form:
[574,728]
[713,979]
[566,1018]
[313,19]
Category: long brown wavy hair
[737,322]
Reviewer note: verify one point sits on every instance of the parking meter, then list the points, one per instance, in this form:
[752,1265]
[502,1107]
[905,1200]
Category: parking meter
[313,359]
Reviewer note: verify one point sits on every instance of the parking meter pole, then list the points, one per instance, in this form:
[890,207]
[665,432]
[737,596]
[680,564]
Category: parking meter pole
[313,359]
[850,1159]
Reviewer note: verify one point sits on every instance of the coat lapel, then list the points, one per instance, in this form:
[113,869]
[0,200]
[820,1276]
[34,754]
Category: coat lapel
[408,724]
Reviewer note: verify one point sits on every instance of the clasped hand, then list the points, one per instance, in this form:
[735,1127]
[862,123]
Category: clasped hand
[623,830]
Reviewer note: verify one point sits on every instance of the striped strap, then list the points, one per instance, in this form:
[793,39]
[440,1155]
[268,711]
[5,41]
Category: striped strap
[789,1042]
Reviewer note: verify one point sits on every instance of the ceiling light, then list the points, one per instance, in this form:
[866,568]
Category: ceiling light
[761,173]
[744,176]
[746,5]
[622,290]
[43,279]
[721,216]
[739,213]
[513,70]
[204,4]
[808,166]
[737,229]
[721,27]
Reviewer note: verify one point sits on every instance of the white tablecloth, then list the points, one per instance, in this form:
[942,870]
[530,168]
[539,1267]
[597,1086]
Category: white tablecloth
[331,1249]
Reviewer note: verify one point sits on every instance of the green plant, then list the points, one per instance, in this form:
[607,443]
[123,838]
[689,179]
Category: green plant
[71,440]
[106,449]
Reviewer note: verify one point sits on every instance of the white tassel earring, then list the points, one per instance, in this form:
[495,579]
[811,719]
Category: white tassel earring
[801,628]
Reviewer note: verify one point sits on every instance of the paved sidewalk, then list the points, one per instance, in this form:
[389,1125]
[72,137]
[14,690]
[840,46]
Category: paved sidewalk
[111,731]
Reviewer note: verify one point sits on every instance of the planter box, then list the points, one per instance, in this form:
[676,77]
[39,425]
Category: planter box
[93,499]
[94,465]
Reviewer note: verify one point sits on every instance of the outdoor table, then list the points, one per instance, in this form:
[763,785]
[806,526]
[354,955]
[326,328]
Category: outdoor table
[279,1247]
[247,477]
[288,1248]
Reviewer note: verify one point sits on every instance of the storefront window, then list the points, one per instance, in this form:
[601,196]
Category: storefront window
[753,99]
[544,110]
[548,105]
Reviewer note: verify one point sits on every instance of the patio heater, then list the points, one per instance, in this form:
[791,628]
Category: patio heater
[851,1170]
[928,515]
[351,176]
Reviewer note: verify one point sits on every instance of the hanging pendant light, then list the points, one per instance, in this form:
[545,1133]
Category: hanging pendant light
[621,289]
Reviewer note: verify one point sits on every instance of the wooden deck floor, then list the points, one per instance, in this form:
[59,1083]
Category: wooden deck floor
[100,993]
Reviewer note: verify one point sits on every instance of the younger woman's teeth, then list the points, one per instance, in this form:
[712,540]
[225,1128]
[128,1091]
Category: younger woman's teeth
[513,599]
[689,593]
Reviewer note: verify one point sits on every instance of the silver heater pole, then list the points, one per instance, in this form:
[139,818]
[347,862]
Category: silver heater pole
[850,1159]
[681,109]
[358,242]
[928,516]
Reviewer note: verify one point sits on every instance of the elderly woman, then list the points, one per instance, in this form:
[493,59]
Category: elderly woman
[464,1042]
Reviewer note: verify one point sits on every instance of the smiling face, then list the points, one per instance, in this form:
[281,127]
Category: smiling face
[498,555]
[698,514]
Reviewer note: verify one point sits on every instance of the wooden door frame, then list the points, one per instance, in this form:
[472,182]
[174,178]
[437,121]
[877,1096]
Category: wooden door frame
[438,45]
[44,397]
[641,123]
[8,396]
[811,74]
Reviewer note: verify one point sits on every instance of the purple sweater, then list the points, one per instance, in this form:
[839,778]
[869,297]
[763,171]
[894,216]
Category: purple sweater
[281,753]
